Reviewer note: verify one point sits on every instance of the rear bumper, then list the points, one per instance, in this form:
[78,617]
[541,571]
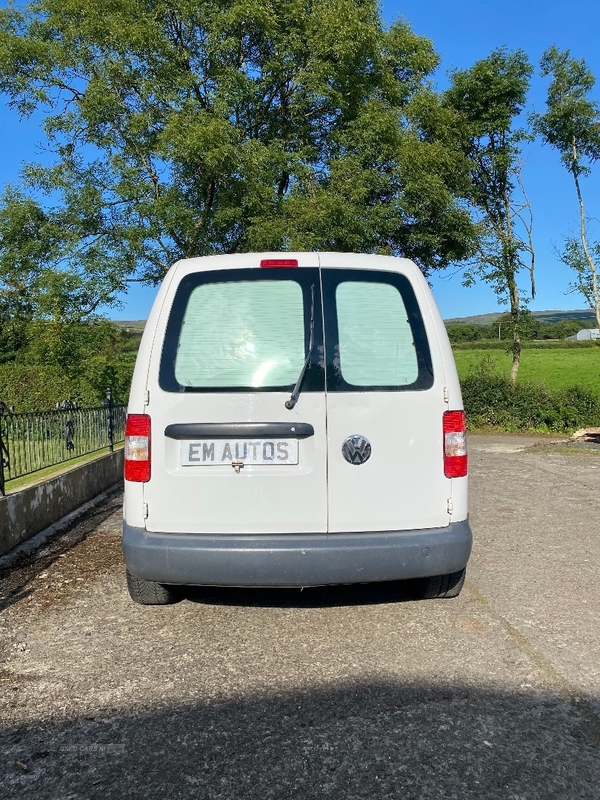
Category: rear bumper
[295,559]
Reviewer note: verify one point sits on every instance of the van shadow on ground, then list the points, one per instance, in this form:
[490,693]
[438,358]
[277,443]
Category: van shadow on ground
[359,740]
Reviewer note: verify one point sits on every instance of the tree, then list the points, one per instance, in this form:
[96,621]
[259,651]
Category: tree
[14,315]
[32,246]
[73,360]
[489,97]
[571,124]
[529,326]
[583,260]
[562,329]
[94,355]
[188,128]
[463,332]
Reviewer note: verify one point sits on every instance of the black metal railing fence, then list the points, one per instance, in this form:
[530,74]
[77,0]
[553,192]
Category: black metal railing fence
[31,441]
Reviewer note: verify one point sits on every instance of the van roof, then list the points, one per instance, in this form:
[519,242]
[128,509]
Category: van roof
[305,259]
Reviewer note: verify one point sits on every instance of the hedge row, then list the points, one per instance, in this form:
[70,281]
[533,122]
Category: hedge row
[542,344]
[38,388]
[491,400]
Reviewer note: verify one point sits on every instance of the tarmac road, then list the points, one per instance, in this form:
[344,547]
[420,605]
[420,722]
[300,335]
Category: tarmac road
[347,692]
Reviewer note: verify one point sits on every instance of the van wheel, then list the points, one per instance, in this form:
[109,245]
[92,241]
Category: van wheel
[150,593]
[442,585]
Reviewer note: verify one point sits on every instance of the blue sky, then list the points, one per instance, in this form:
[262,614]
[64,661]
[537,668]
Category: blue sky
[462,31]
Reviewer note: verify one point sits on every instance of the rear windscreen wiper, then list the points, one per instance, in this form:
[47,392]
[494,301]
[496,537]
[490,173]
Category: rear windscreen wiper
[311,340]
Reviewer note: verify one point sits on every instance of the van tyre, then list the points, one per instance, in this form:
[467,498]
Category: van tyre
[150,593]
[443,585]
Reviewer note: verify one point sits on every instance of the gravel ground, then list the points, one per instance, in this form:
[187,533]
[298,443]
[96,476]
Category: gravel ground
[342,692]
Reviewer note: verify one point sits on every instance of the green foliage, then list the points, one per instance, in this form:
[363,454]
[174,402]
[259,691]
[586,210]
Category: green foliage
[496,335]
[72,361]
[489,98]
[571,125]
[537,344]
[561,329]
[42,272]
[574,257]
[184,129]
[13,328]
[527,326]
[463,332]
[37,388]
[492,400]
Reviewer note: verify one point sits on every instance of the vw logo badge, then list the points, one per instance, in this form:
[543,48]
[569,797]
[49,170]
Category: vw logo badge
[356,449]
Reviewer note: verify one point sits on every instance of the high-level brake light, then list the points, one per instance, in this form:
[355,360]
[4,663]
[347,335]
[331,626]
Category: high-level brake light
[455,444]
[273,263]
[137,448]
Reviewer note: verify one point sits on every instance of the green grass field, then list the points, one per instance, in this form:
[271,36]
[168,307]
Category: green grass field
[556,368]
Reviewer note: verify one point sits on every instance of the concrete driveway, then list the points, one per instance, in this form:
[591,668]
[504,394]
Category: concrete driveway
[347,692]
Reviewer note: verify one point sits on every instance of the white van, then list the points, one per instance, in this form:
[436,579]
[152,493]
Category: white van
[295,419]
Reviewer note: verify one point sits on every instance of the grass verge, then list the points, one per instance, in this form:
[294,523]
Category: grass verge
[58,469]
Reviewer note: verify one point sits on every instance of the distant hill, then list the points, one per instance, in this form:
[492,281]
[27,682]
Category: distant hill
[135,326]
[585,316]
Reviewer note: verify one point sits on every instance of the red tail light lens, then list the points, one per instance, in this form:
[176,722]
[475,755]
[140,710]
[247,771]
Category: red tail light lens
[137,448]
[274,263]
[455,444]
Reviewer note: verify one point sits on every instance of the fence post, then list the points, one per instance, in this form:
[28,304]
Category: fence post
[110,419]
[69,406]
[3,449]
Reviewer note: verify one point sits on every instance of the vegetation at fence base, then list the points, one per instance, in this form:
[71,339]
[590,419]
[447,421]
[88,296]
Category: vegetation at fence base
[491,400]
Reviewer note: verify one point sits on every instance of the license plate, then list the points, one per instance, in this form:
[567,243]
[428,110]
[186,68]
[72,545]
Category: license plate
[211,452]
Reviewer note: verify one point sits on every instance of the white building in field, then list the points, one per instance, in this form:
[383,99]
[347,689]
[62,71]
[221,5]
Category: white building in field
[585,335]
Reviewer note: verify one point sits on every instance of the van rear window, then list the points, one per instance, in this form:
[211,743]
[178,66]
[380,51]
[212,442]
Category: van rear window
[237,333]
[375,335]
[376,345]
[241,334]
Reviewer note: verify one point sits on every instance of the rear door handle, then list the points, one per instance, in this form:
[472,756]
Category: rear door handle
[240,430]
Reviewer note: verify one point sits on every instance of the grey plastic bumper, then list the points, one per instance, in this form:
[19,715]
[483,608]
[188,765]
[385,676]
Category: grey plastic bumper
[295,559]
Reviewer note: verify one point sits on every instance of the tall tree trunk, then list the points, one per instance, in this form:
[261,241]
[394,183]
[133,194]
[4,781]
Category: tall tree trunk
[516,343]
[584,241]
[508,256]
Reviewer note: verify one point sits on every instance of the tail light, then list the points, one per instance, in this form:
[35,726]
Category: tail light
[455,444]
[137,448]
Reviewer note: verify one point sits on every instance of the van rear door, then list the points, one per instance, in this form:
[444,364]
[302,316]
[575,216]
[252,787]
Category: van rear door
[227,456]
[385,402]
